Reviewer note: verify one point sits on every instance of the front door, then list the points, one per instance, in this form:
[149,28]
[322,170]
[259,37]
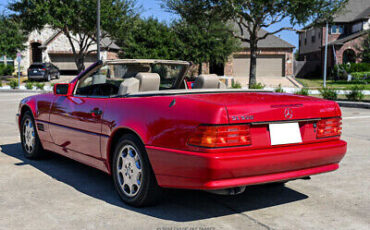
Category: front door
[76,121]
[75,124]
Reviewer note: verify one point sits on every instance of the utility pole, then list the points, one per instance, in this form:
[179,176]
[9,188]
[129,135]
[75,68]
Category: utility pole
[326,52]
[98,30]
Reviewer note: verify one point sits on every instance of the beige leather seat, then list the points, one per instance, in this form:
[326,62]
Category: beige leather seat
[208,81]
[148,81]
[142,82]
[130,85]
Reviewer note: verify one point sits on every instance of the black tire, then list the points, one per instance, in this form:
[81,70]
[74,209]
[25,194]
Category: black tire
[36,151]
[149,192]
[57,75]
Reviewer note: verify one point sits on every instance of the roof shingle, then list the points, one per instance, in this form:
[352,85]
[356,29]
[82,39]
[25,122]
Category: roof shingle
[271,41]
[354,10]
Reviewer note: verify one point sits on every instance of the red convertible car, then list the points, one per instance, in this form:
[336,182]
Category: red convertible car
[138,121]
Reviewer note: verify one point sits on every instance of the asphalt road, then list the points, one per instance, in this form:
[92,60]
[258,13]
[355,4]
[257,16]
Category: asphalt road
[58,193]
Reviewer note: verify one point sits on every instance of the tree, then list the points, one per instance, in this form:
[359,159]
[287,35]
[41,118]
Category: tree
[254,15]
[365,48]
[204,41]
[76,19]
[148,39]
[12,38]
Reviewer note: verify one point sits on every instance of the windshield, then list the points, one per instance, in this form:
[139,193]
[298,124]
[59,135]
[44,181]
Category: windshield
[36,66]
[169,73]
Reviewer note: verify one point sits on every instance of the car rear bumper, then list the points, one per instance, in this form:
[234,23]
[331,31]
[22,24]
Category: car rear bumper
[36,77]
[194,170]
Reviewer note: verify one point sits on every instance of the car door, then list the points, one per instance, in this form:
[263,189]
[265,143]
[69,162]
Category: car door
[76,121]
[55,70]
[48,69]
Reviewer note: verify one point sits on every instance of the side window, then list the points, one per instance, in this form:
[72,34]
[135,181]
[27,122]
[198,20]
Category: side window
[96,84]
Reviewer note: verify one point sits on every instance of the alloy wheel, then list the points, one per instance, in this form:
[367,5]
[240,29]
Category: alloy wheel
[129,170]
[28,135]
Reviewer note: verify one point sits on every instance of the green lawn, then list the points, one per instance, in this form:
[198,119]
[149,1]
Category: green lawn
[343,97]
[318,83]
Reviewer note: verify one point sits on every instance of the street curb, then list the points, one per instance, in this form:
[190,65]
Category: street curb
[354,104]
[23,91]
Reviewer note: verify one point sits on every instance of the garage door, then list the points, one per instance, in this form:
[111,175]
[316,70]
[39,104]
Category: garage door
[67,61]
[268,66]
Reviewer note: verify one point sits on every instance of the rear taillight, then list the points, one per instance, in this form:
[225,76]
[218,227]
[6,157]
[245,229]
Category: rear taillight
[43,69]
[221,136]
[329,127]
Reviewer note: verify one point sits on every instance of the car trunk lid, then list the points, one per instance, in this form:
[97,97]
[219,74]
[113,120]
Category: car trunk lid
[254,107]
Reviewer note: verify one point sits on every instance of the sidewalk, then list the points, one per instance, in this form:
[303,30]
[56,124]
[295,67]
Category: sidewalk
[354,104]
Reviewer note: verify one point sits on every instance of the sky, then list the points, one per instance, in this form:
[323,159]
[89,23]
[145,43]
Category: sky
[152,8]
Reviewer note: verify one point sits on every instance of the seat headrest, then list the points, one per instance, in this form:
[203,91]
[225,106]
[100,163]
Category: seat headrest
[148,81]
[130,85]
[99,79]
[208,81]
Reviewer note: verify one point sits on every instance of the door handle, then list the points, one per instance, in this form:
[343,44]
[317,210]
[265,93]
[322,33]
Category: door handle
[96,112]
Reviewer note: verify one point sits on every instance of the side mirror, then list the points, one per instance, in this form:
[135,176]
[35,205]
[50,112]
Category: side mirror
[62,89]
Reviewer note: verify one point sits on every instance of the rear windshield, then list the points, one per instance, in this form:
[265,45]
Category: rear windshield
[36,66]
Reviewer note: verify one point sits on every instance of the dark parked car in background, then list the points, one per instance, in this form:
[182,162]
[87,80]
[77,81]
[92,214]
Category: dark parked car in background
[43,71]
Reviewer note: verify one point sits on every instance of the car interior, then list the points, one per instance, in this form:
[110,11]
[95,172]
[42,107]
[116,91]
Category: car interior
[124,79]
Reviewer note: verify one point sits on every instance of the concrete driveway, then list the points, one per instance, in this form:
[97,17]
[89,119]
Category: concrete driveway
[58,193]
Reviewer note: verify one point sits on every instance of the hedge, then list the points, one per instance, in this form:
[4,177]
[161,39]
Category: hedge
[6,70]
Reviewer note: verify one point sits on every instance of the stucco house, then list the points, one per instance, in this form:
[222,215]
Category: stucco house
[49,45]
[345,35]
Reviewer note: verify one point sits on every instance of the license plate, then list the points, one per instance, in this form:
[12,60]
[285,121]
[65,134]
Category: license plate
[285,133]
[35,71]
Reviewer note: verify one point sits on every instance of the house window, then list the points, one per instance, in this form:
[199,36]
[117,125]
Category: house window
[305,41]
[356,27]
[313,38]
[335,29]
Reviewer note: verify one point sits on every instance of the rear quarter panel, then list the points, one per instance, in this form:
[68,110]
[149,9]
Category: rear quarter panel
[158,123]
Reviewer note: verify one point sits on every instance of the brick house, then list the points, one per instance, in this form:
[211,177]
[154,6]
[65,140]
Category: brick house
[49,45]
[345,35]
[274,59]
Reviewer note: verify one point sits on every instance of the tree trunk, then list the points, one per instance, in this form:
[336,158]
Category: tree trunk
[79,60]
[200,68]
[253,63]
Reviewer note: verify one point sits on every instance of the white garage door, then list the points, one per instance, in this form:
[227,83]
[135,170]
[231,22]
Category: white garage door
[268,66]
[67,61]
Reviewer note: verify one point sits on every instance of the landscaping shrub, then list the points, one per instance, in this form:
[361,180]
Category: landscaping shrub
[236,85]
[1,83]
[329,93]
[341,71]
[303,91]
[13,83]
[6,70]
[361,76]
[40,85]
[359,67]
[259,85]
[355,93]
[279,89]
[353,67]
[29,85]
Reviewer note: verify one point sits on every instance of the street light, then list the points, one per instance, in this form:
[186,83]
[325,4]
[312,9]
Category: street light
[98,30]
[326,52]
